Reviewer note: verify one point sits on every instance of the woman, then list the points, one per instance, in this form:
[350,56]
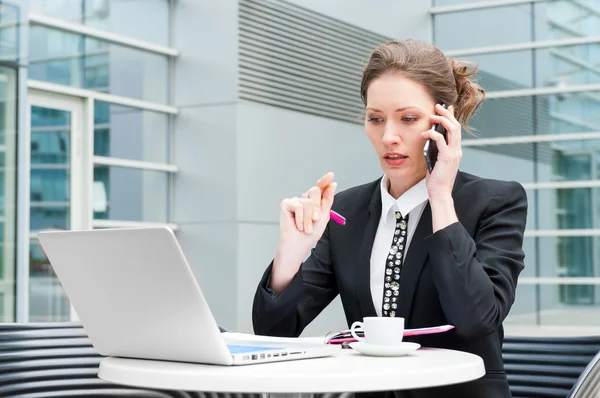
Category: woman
[434,248]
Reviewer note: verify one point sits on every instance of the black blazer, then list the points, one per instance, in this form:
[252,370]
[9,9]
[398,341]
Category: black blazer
[465,275]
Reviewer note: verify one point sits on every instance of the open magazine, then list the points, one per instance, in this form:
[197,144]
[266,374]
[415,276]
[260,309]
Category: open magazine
[346,337]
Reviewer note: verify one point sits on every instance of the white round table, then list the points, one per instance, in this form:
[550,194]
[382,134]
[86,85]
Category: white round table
[347,371]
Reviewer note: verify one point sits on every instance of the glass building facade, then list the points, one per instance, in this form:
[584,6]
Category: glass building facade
[130,143]
[539,127]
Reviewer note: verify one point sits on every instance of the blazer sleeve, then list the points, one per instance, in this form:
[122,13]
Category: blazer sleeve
[476,277]
[310,291]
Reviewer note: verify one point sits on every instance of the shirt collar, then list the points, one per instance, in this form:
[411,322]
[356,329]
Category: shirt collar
[410,199]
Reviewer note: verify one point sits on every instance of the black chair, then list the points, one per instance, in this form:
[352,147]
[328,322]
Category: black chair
[547,367]
[48,360]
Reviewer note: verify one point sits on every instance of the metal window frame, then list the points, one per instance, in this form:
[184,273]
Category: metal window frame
[526,92]
[502,3]
[562,184]
[553,233]
[104,97]
[529,45]
[113,38]
[526,139]
[134,164]
[479,5]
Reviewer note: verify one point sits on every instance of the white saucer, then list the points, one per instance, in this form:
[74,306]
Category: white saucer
[385,350]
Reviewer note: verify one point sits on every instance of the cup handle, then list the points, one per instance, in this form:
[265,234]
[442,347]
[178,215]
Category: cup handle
[354,326]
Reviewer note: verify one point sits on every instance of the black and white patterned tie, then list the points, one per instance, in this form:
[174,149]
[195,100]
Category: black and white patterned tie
[393,266]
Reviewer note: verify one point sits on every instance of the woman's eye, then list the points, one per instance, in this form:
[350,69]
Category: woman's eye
[409,119]
[375,119]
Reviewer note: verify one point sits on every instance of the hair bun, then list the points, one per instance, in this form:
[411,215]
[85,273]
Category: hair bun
[470,94]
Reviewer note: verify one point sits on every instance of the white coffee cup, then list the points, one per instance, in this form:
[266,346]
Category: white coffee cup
[380,330]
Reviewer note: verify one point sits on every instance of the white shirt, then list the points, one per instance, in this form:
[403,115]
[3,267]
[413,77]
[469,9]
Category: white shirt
[412,202]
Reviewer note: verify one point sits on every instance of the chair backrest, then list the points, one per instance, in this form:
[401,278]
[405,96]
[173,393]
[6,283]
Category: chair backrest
[58,360]
[546,366]
[588,383]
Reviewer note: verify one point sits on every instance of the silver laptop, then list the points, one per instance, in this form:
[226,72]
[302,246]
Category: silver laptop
[136,297]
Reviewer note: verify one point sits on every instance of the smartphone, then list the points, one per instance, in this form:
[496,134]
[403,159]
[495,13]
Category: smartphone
[431,150]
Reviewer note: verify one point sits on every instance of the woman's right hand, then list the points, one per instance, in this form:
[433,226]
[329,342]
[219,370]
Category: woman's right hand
[302,221]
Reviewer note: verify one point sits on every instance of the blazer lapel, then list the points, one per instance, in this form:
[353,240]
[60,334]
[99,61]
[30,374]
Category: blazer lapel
[413,264]
[363,260]
[414,261]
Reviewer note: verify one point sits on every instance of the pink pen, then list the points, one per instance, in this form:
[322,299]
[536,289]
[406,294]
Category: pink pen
[338,218]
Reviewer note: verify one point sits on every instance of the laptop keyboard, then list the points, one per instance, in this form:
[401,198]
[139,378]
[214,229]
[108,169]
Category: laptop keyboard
[241,349]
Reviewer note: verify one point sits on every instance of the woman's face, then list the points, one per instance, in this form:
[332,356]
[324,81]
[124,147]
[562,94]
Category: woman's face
[398,110]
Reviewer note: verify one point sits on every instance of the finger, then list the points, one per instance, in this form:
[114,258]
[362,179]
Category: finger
[314,194]
[455,136]
[438,138]
[328,197]
[307,212]
[447,112]
[444,121]
[453,118]
[324,181]
[295,208]
[453,132]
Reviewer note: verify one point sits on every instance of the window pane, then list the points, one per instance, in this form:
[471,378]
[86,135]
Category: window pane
[73,60]
[566,19]
[570,305]
[559,305]
[555,161]
[480,28]
[562,256]
[113,16]
[9,33]
[541,114]
[513,24]
[454,2]
[50,163]
[503,71]
[127,194]
[567,65]
[557,257]
[506,162]
[49,207]
[555,66]
[130,133]
[47,300]
[576,208]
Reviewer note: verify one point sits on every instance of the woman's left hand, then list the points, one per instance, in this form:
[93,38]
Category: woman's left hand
[441,180]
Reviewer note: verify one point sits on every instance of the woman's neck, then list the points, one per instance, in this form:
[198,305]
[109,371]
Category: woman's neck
[397,188]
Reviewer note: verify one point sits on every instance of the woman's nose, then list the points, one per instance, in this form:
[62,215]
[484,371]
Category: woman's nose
[391,136]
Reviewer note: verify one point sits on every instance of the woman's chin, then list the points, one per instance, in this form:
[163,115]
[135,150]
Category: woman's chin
[405,172]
